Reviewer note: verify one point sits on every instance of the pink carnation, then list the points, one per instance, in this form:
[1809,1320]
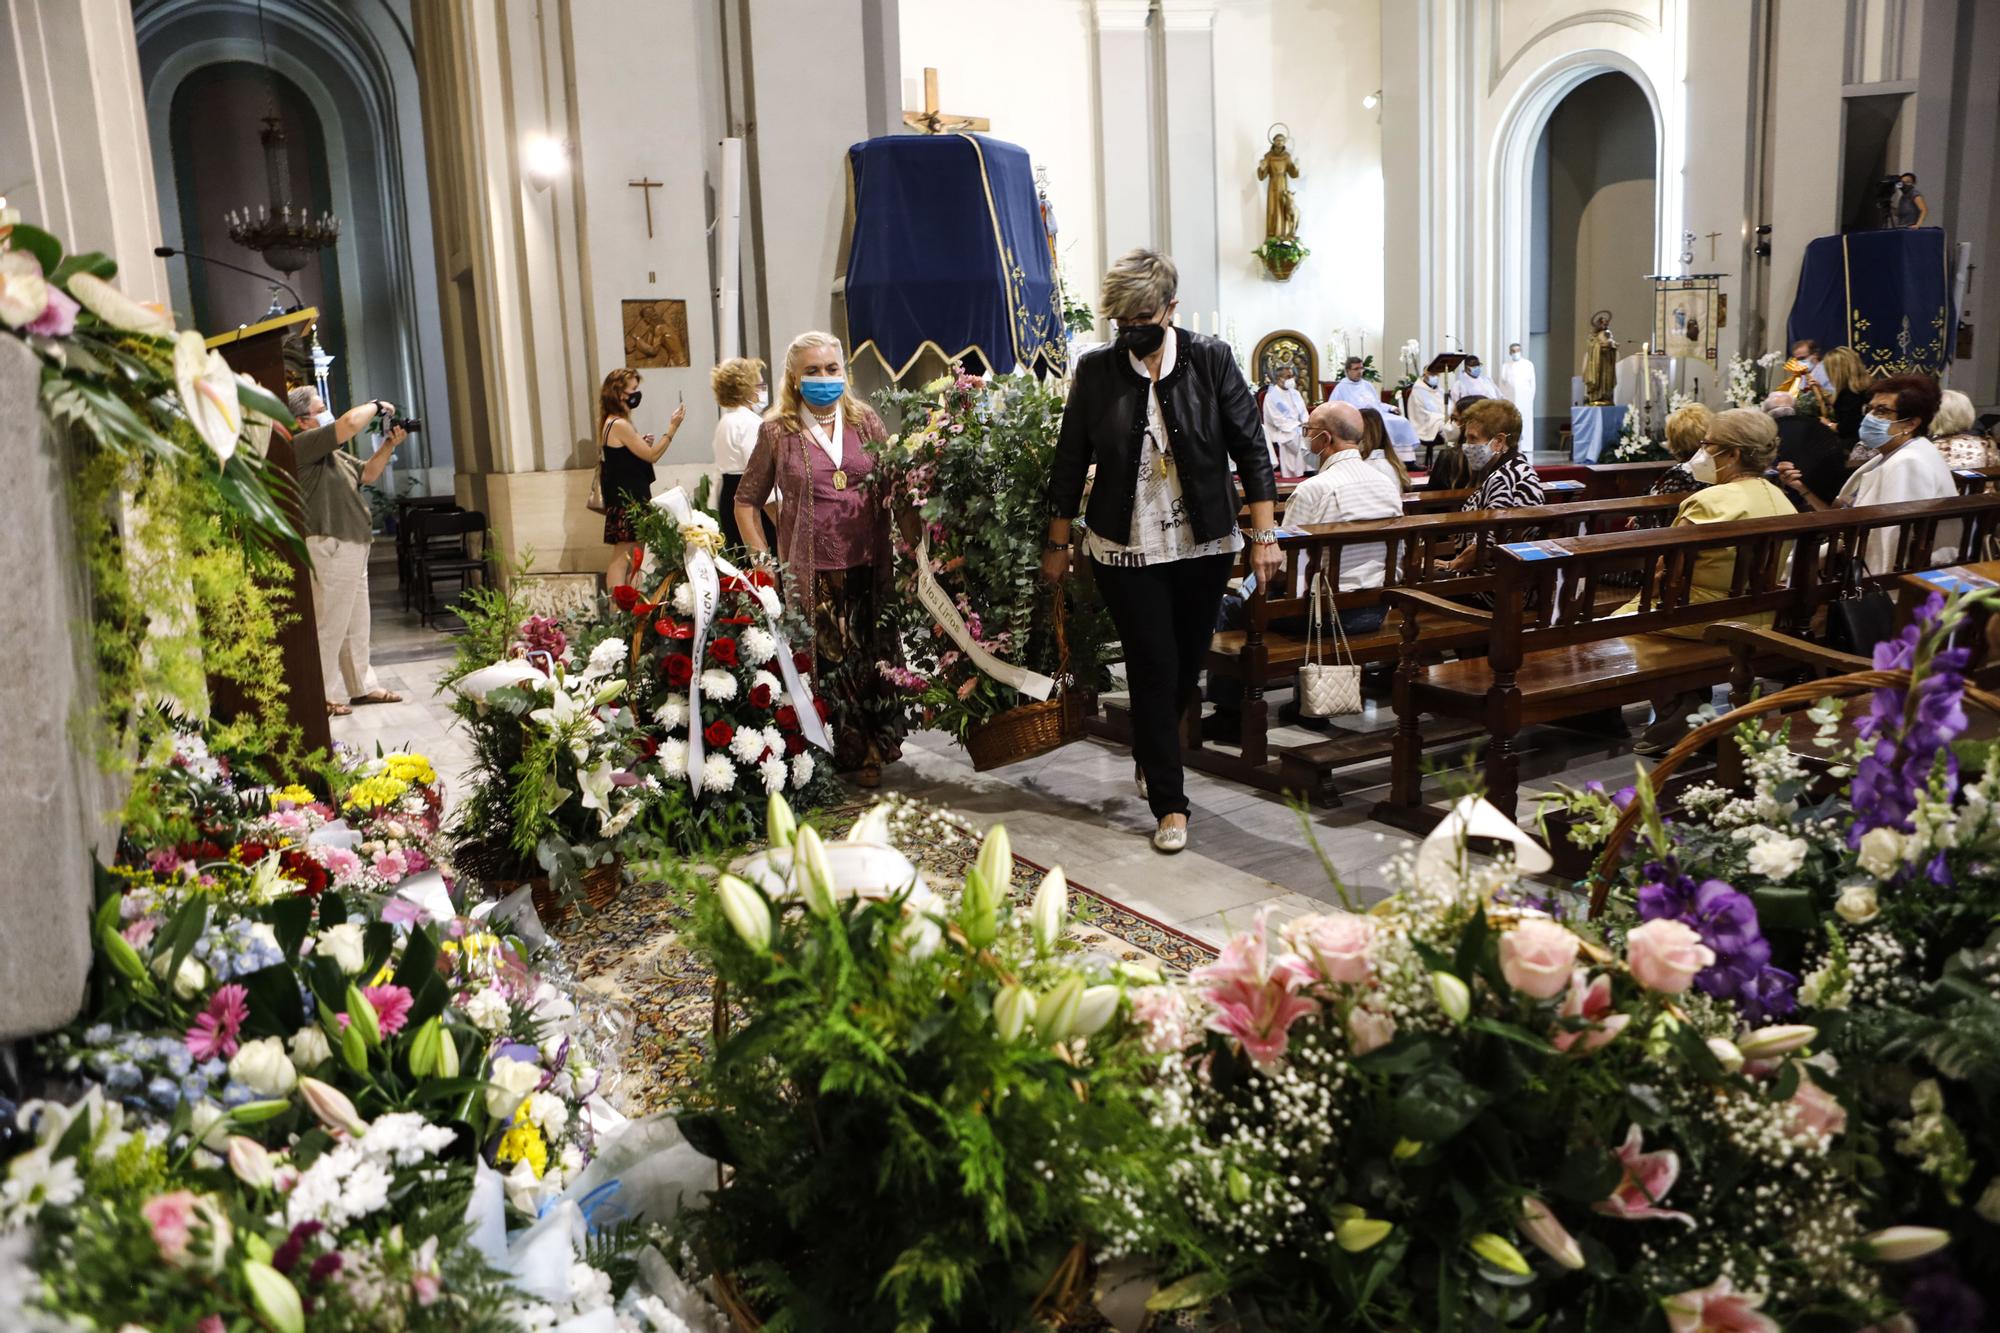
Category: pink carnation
[1160,1014]
[213,1036]
[171,1216]
[140,933]
[392,1007]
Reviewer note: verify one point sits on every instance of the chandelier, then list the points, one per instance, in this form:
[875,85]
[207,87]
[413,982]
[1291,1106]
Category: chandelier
[287,237]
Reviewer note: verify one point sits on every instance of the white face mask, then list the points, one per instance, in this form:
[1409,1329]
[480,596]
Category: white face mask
[1431,380]
[325,418]
[1514,355]
[1702,467]
[1451,432]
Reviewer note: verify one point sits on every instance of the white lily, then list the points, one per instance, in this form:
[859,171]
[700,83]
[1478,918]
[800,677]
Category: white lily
[476,685]
[208,394]
[871,827]
[1051,910]
[1094,1010]
[596,784]
[561,713]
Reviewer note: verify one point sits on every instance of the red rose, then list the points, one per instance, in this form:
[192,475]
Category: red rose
[760,696]
[680,669]
[819,706]
[625,596]
[648,746]
[788,718]
[802,659]
[723,651]
[718,733]
[794,744]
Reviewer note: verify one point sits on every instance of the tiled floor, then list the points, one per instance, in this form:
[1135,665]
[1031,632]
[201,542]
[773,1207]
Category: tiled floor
[1077,807]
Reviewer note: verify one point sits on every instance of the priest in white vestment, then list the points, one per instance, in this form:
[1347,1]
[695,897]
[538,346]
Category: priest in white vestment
[1427,409]
[1284,422]
[1473,382]
[1517,382]
[1350,388]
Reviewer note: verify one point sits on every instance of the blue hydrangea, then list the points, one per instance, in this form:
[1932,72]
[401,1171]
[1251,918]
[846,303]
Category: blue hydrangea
[213,1069]
[236,1094]
[97,1034]
[164,1092]
[179,1061]
[194,1087]
[122,1077]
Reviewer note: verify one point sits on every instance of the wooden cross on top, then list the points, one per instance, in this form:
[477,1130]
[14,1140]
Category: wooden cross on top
[933,121]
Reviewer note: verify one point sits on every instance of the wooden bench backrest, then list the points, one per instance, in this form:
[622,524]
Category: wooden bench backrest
[1417,545]
[1549,598]
[1973,480]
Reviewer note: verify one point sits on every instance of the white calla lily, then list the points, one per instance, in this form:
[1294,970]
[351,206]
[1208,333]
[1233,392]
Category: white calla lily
[208,394]
[117,309]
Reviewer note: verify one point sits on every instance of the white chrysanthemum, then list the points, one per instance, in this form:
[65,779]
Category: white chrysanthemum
[672,712]
[674,755]
[717,773]
[747,744]
[802,769]
[683,597]
[757,645]
[772,770]
[718,685]
[776,686]
[606,657]
[774,741]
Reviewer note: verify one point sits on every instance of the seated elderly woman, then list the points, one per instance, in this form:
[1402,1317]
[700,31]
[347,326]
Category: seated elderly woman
[1502,476]
[1740,446]
[1686,428]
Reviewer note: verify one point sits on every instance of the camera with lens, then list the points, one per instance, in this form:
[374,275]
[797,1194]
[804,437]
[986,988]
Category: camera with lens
[408,425]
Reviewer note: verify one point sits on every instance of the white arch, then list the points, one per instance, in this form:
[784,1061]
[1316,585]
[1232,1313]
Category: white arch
[1504,298]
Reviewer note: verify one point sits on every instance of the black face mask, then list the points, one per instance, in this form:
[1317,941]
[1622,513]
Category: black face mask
[1141,340]
[632,399]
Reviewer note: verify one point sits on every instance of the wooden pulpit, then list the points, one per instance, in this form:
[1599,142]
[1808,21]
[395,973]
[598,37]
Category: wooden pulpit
[258,350]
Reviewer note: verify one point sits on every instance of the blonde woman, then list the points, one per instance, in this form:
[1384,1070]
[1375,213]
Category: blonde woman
[738,384]
[625,465]
[1378,452]
[1687,427]
[1852,385]
[833,538]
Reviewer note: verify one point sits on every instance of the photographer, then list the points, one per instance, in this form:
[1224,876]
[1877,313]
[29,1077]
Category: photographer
[339,531]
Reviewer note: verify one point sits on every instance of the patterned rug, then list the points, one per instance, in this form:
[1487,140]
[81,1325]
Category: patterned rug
[630,959]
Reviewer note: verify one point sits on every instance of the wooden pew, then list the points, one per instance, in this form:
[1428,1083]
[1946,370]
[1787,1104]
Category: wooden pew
[1553,653]
[1416,548]
[1975,480]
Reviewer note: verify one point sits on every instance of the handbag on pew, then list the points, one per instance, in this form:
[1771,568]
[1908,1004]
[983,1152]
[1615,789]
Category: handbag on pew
[1857,624]
[1327,689]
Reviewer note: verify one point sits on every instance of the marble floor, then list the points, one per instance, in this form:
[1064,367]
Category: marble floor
[1076,807]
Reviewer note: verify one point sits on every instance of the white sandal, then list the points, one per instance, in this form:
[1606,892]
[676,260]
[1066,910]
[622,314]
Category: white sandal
[1170,839]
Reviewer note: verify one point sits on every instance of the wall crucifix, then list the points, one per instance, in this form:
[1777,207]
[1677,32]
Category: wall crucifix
[933,121]
[647,185]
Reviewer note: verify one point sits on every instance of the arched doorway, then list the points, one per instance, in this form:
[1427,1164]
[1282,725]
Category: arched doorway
[1593,199]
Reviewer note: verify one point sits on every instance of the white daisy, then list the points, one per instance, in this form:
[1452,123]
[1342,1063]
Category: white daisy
[717,773]
[757,646]
[718,685]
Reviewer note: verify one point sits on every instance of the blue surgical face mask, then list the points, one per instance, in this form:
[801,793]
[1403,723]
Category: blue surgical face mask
[1874,432]
[822,390]
[1431,380]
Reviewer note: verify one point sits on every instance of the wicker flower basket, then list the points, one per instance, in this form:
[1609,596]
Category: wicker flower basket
[495,870]
[1066,1295]
[1032,729]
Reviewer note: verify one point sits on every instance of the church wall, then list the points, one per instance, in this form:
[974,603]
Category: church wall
[1307,63]
[1032,76]
[1717,188]
[1808,65]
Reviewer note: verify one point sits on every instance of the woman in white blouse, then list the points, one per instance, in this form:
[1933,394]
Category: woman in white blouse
[1906,466]
[739,389]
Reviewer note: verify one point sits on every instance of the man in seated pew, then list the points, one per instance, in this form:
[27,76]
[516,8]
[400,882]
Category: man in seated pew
[1346,489]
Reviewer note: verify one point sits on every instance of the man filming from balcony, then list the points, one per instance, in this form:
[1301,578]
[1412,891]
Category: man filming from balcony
[339,529]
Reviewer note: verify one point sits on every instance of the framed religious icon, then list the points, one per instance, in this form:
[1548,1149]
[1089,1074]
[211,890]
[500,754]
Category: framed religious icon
[1291,349]
[1685,312]
[656,333]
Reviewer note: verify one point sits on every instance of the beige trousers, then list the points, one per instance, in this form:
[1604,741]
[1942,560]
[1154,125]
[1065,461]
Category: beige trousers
[340,609]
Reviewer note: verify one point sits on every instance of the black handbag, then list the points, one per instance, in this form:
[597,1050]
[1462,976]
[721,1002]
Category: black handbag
[1856,624]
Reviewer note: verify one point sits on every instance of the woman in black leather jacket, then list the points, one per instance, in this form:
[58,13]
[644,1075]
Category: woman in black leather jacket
[1160,414]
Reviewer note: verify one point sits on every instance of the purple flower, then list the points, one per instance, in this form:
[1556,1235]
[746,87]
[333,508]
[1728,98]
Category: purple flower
[1726,920]
[1772,993]
[1912,730]
[58,317]
[1942,1302]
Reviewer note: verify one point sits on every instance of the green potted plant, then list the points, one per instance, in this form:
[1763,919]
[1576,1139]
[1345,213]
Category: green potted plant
[1281,254]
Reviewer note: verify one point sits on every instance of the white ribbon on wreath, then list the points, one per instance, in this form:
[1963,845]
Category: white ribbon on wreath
[701,560]
[938,602]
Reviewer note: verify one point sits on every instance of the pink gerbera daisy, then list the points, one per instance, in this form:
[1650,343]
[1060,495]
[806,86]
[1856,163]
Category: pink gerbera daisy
[213,1036]
[392,1007]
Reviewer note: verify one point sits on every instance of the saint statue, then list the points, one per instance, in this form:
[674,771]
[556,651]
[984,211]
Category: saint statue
[1600,362]
[1281,211]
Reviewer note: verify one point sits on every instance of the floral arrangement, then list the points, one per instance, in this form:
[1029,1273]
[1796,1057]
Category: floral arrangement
[1855,894]
[1467,1108]
[297,1066]
[966,476]
[165,448]
[1748,378]
[930,1109]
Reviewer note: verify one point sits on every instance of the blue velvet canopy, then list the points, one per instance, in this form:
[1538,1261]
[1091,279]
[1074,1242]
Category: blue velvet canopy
[1886,294]
[949,255]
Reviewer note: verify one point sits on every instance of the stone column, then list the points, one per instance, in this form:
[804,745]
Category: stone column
[1188,134]
[1126,117]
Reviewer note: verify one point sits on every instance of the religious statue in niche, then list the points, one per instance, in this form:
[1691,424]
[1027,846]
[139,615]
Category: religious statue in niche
[1600,362]
[1282,249]
[656,333]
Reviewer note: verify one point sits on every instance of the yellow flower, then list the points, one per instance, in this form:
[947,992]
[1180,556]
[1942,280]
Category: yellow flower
[295,794]
[524,1143]
[376,792]
[409,767]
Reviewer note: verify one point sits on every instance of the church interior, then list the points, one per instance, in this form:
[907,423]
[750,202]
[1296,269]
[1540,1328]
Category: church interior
[698,665]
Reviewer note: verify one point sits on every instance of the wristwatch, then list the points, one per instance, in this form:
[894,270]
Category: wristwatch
[1261,536]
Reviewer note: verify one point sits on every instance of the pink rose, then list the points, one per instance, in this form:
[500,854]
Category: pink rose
[1535,957]
[1336,943]
[1815,1111]
[1369,1029]
[171,1216]
[1717,1308]
[1666,955]
[1591,1000]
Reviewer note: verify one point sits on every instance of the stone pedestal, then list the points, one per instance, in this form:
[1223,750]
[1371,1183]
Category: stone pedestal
[53,798]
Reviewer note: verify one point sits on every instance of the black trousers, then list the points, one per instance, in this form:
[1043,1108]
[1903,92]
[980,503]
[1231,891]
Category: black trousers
[730,532]
[1165,616]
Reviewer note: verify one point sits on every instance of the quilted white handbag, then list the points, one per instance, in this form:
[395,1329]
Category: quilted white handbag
[1327,689]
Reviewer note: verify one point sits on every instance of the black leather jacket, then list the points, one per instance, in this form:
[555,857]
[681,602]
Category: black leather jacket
[1211,418]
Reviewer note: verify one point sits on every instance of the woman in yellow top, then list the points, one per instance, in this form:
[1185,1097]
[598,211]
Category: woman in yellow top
[1740,447]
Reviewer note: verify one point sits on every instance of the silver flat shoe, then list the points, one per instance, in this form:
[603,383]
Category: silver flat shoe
[1170,839]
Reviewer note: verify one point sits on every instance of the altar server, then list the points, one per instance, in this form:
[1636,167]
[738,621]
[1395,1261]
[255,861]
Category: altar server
[1517,383]
[1284,421]
[1473,382]
[1353,390]
[1427,411]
